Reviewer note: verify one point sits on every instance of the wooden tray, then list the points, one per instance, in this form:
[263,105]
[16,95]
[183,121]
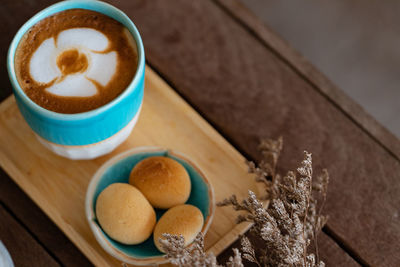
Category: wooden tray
[58,185]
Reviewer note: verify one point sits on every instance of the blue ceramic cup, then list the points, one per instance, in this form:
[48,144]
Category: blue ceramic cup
[88,134]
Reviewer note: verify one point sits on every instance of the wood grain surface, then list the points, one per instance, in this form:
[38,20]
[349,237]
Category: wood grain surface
[23,249]
[315,78]
[248,92]
[40,227]
[249,84]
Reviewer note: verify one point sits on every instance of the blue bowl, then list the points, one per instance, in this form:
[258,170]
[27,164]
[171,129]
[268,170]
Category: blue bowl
[117,170]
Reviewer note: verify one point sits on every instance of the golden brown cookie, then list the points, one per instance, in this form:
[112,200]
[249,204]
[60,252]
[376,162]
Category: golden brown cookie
[125,214]
[163,181]
[185,220]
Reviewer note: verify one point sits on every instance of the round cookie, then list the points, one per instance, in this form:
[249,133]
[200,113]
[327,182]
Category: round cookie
[185,220]
[125,214]
[164,181]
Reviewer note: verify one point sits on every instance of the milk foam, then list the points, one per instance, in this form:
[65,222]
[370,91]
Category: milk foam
[43,67]
[73,85]
[102,67]
[89,42]
[85,38]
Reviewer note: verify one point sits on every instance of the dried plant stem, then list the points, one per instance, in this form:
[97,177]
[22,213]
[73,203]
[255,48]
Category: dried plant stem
[285,227]
[304,224]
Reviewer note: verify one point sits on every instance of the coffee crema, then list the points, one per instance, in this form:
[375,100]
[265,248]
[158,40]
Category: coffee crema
[75,61]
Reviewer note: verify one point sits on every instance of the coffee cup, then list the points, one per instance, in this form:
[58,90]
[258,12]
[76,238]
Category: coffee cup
[93,133]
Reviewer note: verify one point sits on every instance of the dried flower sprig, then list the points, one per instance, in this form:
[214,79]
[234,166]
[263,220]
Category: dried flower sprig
[193,255]
[285,227]
[248,251]
[265,172]
[236,260]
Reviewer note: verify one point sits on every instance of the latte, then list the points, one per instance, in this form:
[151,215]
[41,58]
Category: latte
[75,61]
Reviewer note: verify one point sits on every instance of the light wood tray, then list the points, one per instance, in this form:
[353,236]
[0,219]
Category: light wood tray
[58,185]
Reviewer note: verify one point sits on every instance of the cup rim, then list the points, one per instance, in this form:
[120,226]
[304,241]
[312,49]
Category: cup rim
[90,212]
[50,10]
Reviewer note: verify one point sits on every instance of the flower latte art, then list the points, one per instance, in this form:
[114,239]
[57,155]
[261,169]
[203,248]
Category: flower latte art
[75,61]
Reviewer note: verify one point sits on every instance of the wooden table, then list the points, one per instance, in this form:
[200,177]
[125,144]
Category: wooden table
[249,84]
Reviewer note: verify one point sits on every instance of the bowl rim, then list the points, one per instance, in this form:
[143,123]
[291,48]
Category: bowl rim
[90,213]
